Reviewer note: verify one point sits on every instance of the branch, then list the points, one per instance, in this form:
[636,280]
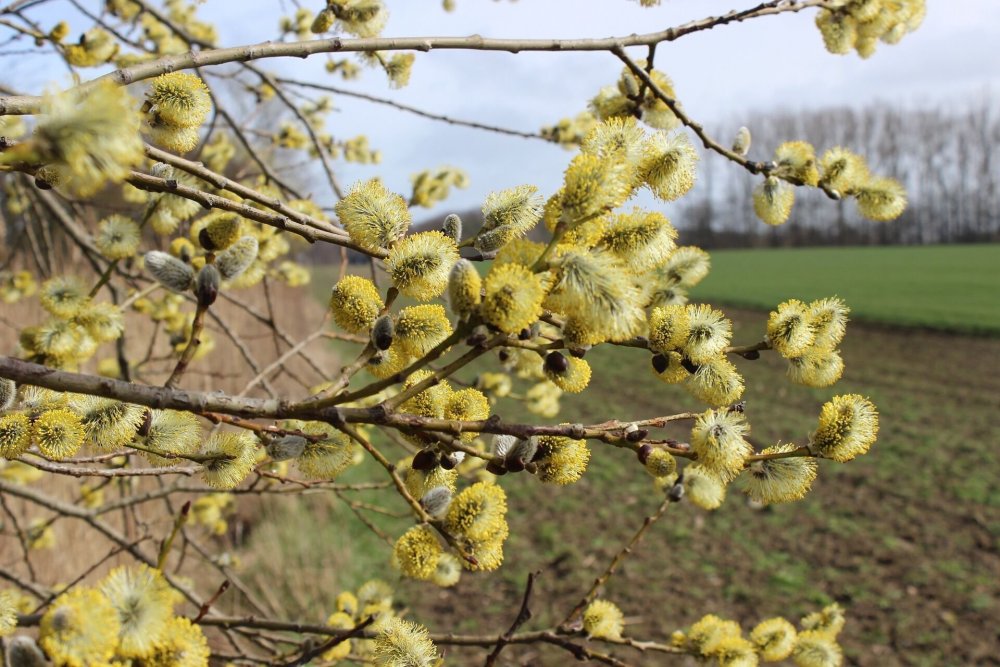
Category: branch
[418,112]
[709,143]
[615,562]
[26,104]
[523,616]
[311,234]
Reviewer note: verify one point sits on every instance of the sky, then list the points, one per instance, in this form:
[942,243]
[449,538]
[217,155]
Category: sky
[719,75]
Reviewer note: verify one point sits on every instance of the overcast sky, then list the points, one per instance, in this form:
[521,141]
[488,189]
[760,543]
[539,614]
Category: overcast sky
[720,74]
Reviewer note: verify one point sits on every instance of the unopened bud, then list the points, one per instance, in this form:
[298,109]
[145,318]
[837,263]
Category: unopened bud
[8,390]
[206,286]
[741,144]
[286,447]
[638,435]
[47,177]
[660,363]
[689,365]
[452,228]
[383,332]
[425,459]
[436,500]
[450,460]
[479,336]
[556,363]
[161,170]
[520,454]
[751,355]
[24,652]
[169,271]
[503,444]
[579,352]
[676,491]
[643,453]
[147,421]
[237,258]
[630,85]
[496,468]
[323,21]
[489,242]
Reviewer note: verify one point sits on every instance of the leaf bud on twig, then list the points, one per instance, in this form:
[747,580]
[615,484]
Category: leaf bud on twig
[383,332]
[452,227]
[436,500]
[286,447]
[206,286]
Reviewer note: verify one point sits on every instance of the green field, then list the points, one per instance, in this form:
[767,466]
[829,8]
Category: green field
[954,287]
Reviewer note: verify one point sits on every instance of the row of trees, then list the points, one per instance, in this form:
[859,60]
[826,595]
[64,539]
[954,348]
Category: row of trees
[944,156]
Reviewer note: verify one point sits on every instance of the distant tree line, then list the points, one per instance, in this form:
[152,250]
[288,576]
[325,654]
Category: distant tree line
[946,158]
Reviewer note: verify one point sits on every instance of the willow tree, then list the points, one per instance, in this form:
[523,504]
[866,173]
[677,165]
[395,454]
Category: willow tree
[137,199]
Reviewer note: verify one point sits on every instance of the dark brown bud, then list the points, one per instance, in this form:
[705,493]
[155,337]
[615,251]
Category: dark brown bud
[383,332]
[147,420]
[643,453]
[504,355]
[579,352]
[689,366]
[515,464]
[524,334]
[450,460]
[637,435]
[206,241]
[660,362]
[496,468]
[676,491]
[556,363]
[42,184]
[206,286]
[425,459]
[531,467]
[752,355]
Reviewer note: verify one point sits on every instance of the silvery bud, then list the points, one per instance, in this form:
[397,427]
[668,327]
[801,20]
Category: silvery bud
[502,444]
[676,491]
[162,170]
[169,271]
[286,447]
[237,258]
[383,332]
[206,286]
[452,228]
[493,240]
[24,652]
[436,500]
[741,144]
[630,85]
[8,390]
[521,453]
[450,460]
